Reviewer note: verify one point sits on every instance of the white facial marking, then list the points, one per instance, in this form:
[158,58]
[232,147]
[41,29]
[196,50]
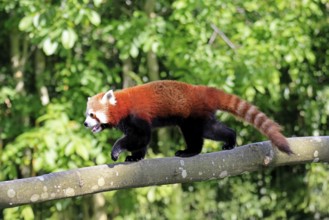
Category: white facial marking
[91,121]
[102,117]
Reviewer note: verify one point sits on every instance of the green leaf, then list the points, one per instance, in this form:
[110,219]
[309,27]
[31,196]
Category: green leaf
[101,159]
[94,18]
[25,23]
[38,164]
[69,149]
[97,3]
[50,141]
[51,156]
[155,46]
[36,20]
[134,51]
[82,152]
[49,47]
[68,38]
[27,212]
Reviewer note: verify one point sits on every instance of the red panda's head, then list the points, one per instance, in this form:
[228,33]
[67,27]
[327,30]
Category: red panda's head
[97,108]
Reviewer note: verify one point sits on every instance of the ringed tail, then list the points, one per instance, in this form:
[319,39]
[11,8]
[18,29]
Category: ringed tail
[250,113]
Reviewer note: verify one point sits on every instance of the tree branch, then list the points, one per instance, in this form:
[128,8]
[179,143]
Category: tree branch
[150,172]
[222,35]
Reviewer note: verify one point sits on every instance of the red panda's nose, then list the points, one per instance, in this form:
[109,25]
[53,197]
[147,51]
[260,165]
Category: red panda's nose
[85,124]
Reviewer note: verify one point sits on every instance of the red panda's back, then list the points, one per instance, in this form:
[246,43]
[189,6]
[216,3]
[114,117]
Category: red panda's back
[169,98]
[172,98]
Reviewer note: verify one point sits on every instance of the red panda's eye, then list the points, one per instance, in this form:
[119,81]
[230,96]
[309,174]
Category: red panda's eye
[92,115]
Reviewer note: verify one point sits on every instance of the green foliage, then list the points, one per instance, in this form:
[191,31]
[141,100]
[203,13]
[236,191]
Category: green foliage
[65,51]
[51,24]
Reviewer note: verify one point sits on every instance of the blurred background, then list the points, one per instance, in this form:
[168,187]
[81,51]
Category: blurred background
[56,53]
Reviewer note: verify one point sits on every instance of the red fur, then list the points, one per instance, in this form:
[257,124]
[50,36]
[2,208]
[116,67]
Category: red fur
[172,98]
[161,99]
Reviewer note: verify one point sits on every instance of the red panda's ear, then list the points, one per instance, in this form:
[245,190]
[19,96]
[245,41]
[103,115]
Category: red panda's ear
[109,97]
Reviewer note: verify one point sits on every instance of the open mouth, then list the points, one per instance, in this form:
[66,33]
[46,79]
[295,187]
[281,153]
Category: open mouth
[100,127]
[97,128]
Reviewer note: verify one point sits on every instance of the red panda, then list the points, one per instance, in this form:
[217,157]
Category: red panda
[136,110]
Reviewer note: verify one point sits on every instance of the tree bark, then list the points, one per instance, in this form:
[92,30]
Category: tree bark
[40,66]
[218,165]
[127,69]
[19,53]
[151,58]
[152,66]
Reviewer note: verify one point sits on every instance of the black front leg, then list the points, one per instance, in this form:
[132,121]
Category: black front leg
[118,147]
[137,136]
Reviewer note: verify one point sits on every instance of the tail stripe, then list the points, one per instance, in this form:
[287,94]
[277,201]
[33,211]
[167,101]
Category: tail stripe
[242,109]
[271,129]
[251,114]
[260,117]
[266,125]
[234,102]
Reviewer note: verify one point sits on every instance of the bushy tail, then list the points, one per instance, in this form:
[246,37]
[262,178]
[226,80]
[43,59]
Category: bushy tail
[244,110]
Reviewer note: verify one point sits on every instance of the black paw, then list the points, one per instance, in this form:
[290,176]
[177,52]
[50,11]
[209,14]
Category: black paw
[185,153]
[114,156]
[133,159]
[228,146]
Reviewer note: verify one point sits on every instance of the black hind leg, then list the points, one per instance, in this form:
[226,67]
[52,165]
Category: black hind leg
[192,130]
[217,131]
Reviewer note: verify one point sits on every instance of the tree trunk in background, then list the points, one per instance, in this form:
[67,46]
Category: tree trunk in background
[152,66]
[151,59]
[93,207]
[127,69]
[161,134]
[40,66]
[19,54]
[99,207]
[18,58]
